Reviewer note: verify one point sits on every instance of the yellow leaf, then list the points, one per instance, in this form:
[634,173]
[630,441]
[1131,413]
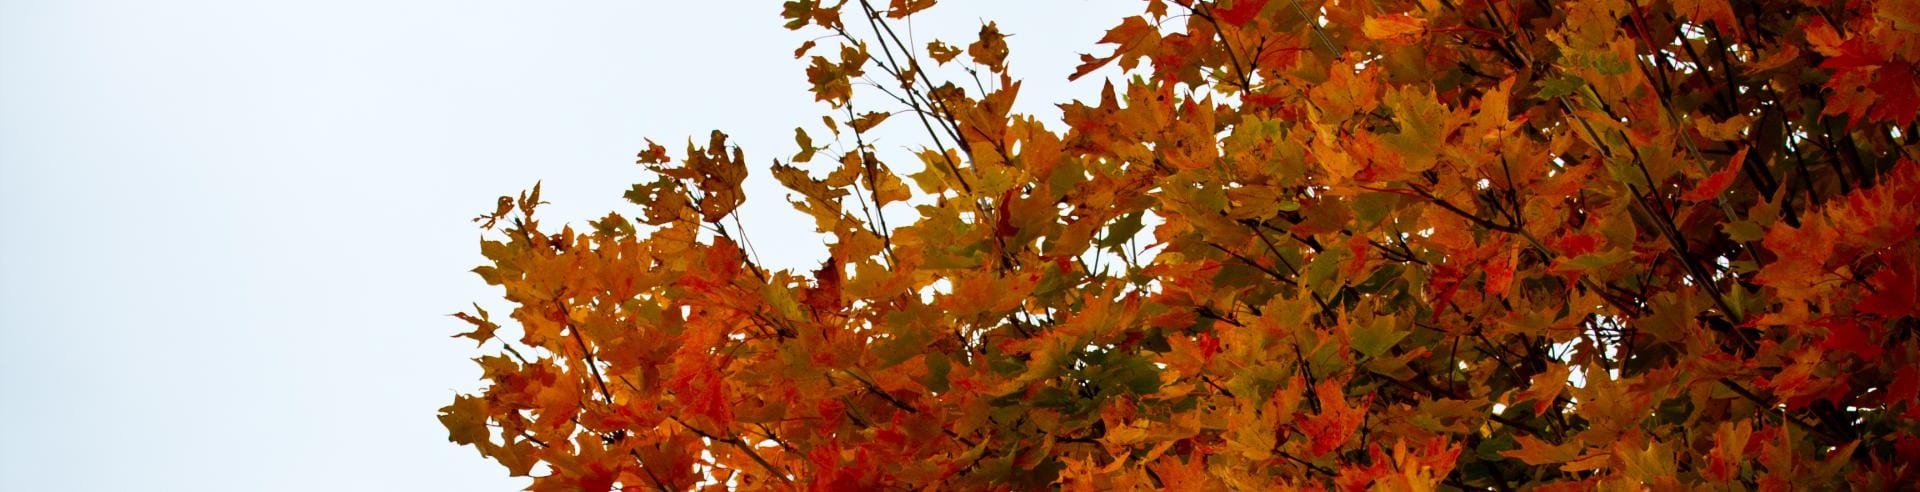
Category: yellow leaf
[1534,451]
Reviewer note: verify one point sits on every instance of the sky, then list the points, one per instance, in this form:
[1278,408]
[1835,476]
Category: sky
[231,231]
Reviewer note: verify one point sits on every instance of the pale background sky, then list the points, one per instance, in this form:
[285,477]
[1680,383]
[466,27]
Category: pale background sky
[231,230]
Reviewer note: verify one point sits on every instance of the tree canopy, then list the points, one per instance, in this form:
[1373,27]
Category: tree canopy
[1396,244]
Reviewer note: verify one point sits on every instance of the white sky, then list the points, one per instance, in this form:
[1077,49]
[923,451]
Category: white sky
[231,230]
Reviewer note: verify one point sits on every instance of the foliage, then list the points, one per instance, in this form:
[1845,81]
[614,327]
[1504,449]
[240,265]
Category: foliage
[1398,244]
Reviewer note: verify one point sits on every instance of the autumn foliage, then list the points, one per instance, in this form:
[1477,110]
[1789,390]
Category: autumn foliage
[1353,244]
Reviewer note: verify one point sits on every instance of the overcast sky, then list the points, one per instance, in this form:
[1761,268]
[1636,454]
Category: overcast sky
[231,230]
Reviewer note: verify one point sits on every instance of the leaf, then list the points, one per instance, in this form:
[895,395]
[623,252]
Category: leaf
[1718,181]
[1744,230]
[1725,131]
[782,302]
[1423,125]
[1560,86]
[466,421]
[991,49]
[718,174]
[826,295]
[1899,91]
[1337,421]
[1392,26]
[900,9]
[482,328]
[1848,336]
[1649,464]
[1500,272]
[1534,451]
[938,367]
[830,81]
[703,392]
[867,121]
[1546,387]
[806,145]
[1239,12]
[1134,36]
[1375,338]
[1896,290]
[1122,230]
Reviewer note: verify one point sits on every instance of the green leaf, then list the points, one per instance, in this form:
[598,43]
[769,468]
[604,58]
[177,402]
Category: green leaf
[1121,230]
[937,368]
[782,302]
[1743,231]
[1136,374]
[1323,273]
[1376,337]
[1561,86]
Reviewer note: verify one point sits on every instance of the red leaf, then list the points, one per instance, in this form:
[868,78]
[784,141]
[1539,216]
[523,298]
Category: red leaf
[1064,262]
[1337,420]
[1899,102]
[826,295]
[703,391]
[832,413]
[1896,290]
[1574,245]
[1240,13]
[1357,245]
[1208,345]
[1500,272]
[1849,336]
[1002,224]
[1905,386]
[1719,181]
[1444,282]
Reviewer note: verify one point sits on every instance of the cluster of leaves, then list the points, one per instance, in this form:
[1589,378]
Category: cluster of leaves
[1404,244]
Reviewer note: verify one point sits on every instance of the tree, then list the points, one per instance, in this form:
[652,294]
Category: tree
[1395,244]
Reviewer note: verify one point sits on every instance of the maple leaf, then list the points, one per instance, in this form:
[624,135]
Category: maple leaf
[1133,36]
[1546,387]
[1850,336]
[900,9]
[868,121]
[1896,290]
[483,328]
[1899,92]
[466,421]
[1534,451]
[704,392]
[991,49]
[1337,421]
[942,52]
[826,295]
[1393,26]
[1240,13]
[1719,180]
[830,81]
[806,145]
